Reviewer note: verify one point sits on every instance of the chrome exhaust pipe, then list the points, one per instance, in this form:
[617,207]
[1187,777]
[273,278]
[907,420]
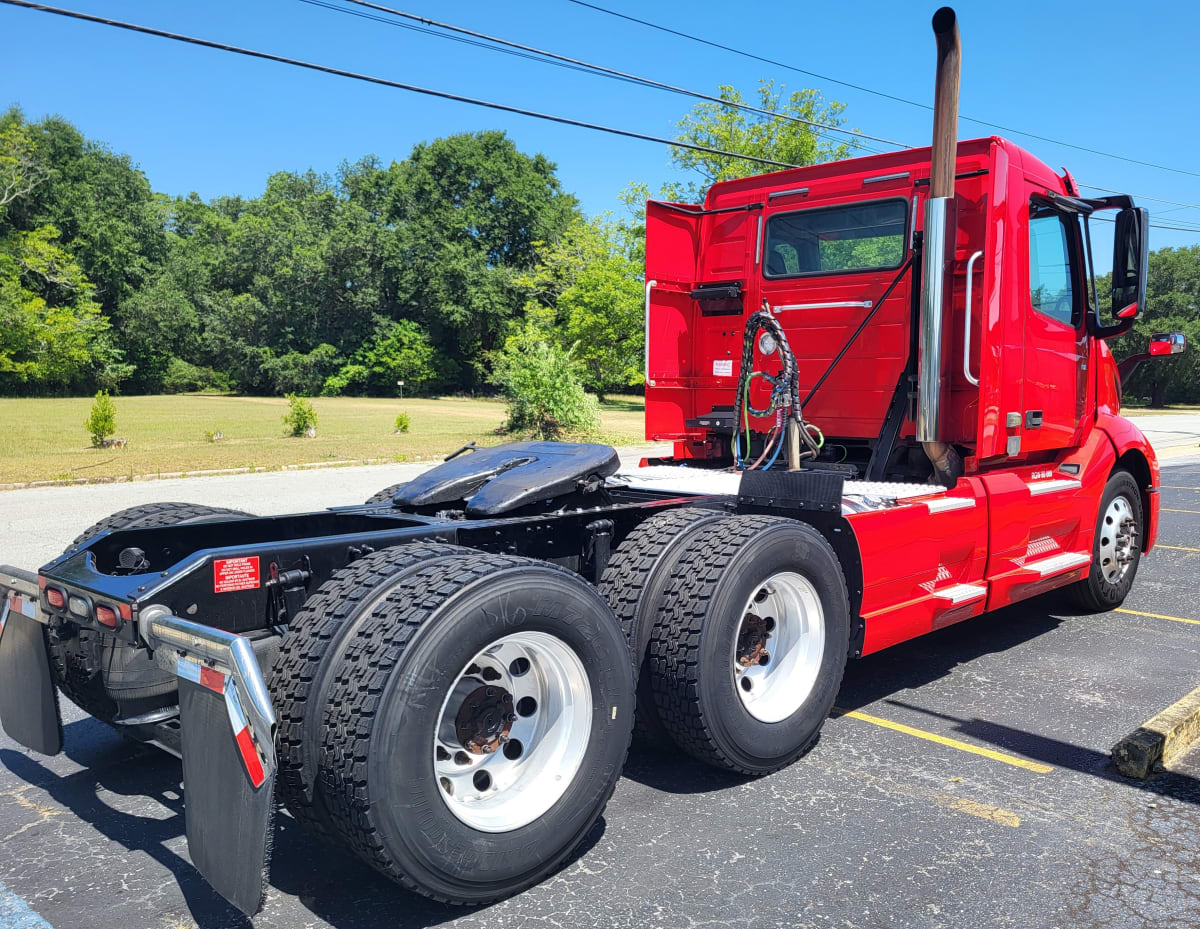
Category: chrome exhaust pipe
[938,257]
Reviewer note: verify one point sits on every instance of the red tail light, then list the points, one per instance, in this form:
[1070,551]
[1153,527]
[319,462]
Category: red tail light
[56,598]
[107,616]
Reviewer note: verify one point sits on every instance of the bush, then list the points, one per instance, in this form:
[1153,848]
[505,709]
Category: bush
[301,418]
[298,373]
[541,383]
[102,421]
[402,422]
[184,377]
[352,379]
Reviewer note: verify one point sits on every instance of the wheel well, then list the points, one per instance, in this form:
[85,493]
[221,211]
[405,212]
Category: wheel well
[1136,464]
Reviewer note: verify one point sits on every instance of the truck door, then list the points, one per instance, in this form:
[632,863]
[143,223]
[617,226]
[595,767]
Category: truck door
[1055,365]
[672,242]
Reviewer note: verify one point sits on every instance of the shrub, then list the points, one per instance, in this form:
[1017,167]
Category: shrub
[352,379]
[185,377]
[301,418]
[102,421]
[402,422]
[541,382]
[301,373]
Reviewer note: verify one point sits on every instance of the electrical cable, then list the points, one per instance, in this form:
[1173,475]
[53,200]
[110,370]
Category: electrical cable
[384,82]
[529,51]
[870,90]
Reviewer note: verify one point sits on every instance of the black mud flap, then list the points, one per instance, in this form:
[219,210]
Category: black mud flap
[29,709]
[229,797]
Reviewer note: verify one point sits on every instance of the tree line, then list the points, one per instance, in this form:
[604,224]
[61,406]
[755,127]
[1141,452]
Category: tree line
[438,270]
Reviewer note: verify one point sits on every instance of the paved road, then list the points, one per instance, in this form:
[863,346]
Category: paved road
[968,785]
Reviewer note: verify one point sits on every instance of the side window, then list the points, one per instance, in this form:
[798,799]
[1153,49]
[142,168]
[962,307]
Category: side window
[1051,289]
[826,240]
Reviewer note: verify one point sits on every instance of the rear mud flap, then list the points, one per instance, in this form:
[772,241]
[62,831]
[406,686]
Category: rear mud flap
[230,820]
[29,709]
[227,733]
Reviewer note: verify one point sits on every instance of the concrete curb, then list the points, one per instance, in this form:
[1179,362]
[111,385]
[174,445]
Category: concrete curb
[167,475]
[1164,738]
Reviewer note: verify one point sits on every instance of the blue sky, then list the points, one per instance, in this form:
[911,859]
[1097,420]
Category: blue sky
[1113,76]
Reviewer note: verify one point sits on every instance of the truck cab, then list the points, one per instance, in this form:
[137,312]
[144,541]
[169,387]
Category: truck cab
[1024,387]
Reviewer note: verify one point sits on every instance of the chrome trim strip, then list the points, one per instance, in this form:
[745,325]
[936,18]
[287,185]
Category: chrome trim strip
[865,304]
[786,193]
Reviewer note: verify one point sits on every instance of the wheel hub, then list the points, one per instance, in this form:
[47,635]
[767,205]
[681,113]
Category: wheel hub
[485,719]
[779,647]
[1118,546]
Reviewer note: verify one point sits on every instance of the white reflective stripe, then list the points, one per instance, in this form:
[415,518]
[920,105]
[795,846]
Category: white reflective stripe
[1056,564]
[187,668]
[961,593]
[237,719]
[1036,488]
[950,503]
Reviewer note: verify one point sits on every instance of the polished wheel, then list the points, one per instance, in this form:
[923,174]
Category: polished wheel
[779,647]
[1118,539]
[513,731]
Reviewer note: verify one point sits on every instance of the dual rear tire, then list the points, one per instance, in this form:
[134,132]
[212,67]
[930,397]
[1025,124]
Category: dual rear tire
[458,719]
[746,625]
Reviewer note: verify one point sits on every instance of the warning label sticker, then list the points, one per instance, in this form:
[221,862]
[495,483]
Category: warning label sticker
[722,367]
[231,574]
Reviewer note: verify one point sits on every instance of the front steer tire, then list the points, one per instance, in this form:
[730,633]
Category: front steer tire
[128,672]
[700,632]
[1096,593]
[401,669]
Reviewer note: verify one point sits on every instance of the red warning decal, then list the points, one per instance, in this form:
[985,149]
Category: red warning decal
[231,574]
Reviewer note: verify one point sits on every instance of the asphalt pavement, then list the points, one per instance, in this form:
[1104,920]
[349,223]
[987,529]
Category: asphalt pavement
[965,782]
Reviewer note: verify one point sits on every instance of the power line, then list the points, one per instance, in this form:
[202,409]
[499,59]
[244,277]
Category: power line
[533,53]
[371,79]
[870,90]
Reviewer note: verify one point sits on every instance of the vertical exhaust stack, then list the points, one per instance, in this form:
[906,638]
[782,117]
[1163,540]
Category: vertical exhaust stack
[938,259]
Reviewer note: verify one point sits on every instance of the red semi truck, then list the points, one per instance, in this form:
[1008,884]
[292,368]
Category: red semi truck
[893,408]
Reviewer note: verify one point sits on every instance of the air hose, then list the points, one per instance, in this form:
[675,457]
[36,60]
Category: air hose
[784,400]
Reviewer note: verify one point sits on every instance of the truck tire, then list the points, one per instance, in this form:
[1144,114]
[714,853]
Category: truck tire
[301,673]
[1116,549]
[749,651]
[477,726]
[98,669]
[633,585]
[385,495]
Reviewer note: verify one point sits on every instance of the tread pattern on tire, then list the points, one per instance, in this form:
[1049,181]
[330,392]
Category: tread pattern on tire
[157,514]
[624,582]
[675,642]
[367,663]
[385,495]
[1083,593]
[304,649]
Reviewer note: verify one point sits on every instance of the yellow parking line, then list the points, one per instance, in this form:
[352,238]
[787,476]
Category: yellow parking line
[1167,509]
[944,740]
[1174,619]
[993,814]
[1177,487]
[1177,548]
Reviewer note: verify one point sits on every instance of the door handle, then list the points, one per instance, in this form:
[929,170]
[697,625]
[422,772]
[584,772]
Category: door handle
[1033,419]
[971,379]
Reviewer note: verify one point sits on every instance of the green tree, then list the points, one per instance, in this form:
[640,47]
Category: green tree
[778,137]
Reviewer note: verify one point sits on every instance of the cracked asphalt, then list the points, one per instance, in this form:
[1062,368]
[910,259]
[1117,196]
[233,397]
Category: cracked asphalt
[878,827]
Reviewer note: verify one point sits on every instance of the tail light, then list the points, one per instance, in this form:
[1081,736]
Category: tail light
[107,616]
[56,598]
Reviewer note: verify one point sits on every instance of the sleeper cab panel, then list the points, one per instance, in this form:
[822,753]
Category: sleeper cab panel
[923,564]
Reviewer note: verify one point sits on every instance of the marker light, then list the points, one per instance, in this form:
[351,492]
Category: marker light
[56,598]
[107,616]
[767,343]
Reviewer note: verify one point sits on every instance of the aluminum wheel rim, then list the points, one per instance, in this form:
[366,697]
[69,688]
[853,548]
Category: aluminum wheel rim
[783,622]
[1118,539]
[528,761]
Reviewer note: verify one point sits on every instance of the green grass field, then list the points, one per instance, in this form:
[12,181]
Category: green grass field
[46,440]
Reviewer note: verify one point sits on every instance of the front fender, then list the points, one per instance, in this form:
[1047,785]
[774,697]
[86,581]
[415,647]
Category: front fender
[1136,455]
